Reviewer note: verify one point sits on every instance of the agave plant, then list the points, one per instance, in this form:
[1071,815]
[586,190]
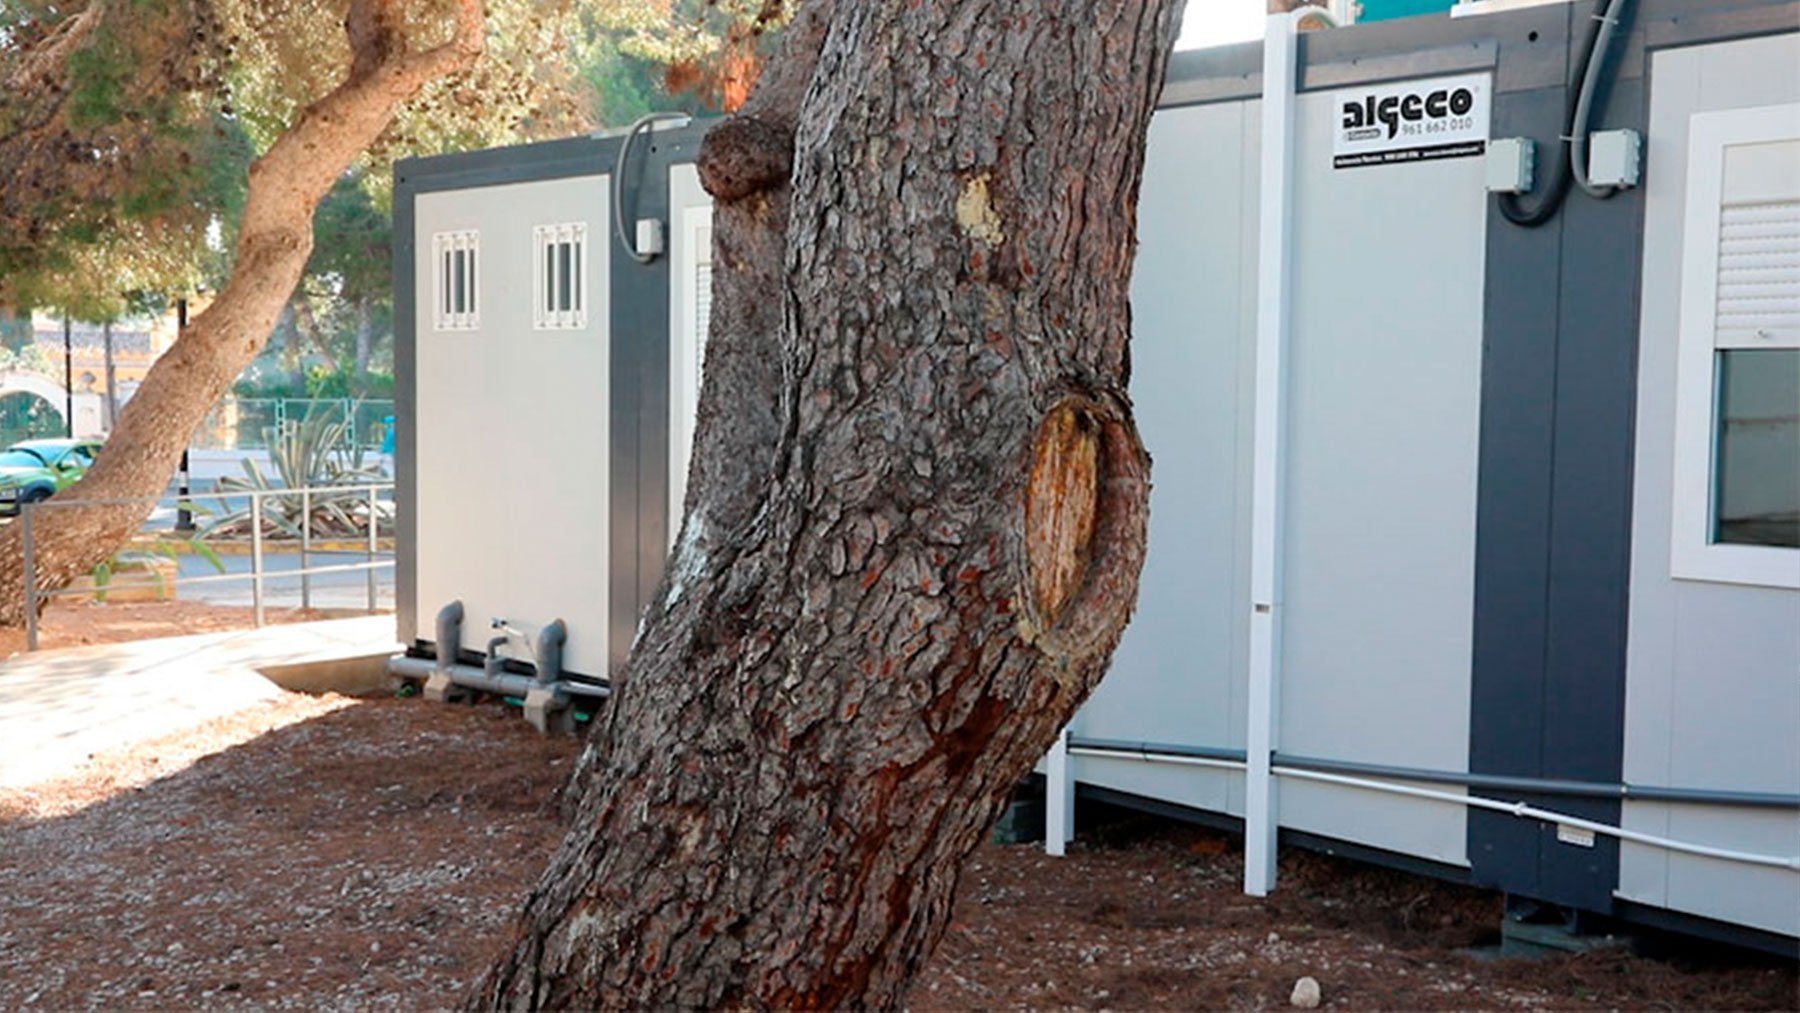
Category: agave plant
[312,451]
[140,566]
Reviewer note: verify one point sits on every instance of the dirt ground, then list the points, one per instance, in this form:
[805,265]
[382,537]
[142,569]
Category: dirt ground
[322,852]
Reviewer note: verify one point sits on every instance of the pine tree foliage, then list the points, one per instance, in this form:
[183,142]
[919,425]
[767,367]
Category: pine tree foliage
[127,126]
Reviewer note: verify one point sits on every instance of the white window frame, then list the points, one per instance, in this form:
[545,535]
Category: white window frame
[544,289]
[444,315]
[1692,553]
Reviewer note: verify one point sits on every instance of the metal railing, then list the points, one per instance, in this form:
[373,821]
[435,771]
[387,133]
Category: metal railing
[371,501]
[244,423]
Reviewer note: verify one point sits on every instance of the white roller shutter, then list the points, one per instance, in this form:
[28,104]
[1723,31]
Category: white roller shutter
[1759,273]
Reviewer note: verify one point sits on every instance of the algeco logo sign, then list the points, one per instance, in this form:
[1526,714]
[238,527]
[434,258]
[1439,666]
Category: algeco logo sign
[1412,121]
[1359,119]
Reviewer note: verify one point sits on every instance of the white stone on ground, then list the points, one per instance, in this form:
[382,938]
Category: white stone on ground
[1306,993]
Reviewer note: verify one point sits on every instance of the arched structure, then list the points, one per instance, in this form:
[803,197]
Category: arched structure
[35,383]
[89,407]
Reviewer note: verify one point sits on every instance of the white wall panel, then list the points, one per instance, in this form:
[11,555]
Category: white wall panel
[1383,440]
[1713,669]
[512,428]
[1178,676]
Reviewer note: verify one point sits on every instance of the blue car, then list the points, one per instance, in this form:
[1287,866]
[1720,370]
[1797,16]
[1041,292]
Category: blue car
[36,469]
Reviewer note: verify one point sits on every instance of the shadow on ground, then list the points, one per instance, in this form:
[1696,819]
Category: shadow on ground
[371,854]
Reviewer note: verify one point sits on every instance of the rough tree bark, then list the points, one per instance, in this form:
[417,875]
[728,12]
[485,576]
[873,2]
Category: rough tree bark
[275,239]
[915,521]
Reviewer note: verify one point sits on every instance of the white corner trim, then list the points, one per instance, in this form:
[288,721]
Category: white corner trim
[1268,442]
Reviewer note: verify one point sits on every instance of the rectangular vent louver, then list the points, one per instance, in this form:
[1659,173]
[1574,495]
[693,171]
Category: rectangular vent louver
[702,301]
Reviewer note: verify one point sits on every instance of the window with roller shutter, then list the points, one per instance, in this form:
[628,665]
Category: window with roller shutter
[1737,453]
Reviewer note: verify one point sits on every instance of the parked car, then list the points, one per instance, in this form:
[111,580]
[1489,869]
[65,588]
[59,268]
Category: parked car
[35,469]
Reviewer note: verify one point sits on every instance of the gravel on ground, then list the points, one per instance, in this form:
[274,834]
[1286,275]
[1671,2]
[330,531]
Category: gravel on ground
[330,853]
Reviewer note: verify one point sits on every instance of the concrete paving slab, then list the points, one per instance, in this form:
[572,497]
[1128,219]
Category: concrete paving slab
[59,707]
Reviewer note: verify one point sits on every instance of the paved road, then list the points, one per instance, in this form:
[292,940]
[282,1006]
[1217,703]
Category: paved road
[282,587]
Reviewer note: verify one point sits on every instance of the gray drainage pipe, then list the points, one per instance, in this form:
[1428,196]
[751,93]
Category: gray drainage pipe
[547,651]
[545,693]
[470,677]
[449,634]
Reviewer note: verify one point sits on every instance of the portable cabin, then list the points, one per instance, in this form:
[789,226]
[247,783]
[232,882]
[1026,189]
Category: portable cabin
[1452,515]
[1474,547]
[549,302]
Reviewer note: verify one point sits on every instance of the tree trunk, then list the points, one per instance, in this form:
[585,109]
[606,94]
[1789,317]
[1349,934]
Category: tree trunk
[275,239]
[112,376]
[888,599]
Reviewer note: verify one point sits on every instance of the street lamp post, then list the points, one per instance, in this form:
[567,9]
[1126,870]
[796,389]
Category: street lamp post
[184,518]
[68,379]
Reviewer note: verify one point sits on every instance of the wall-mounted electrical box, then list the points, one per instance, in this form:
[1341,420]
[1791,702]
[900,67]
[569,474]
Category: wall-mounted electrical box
[1614,157]
[1511,162]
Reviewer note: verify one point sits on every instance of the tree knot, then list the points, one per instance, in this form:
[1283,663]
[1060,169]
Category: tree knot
[1086,511]
[744,156]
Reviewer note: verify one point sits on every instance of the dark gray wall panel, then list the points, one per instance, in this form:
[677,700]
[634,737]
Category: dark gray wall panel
[1514,502]
[1553,557]
[640,381]
[1591,532]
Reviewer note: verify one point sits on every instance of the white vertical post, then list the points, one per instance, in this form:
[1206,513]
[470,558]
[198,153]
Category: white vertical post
[1261,814]
[1059,797]
[306,547]
[28,548]
[256,559]
[374,542]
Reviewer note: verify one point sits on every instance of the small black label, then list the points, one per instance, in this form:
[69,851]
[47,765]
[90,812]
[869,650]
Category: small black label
[1465,149]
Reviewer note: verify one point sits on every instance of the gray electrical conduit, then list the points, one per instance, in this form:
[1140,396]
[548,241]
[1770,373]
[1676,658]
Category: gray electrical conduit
[618,180]
[1524,811]
[1590,82]
[1518,809]
[1616,791]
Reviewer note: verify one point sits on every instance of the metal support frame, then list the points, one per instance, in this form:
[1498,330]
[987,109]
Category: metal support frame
[1059,797]
[256,559]
[306,548]
[374,544]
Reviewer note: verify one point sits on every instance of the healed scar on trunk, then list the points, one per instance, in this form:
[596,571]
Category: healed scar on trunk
[1061,505]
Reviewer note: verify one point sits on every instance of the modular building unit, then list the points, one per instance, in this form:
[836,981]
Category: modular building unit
[536,412]
[1453,516]
[1472,544]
